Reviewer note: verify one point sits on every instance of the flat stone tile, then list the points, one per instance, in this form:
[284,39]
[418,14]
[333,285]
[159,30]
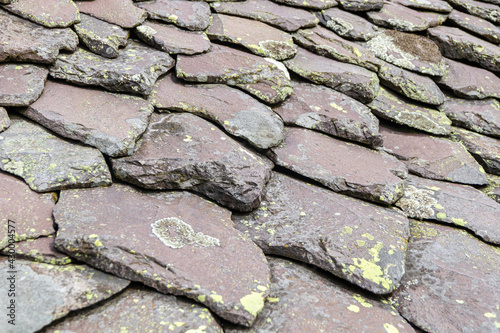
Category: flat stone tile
[476,25]
[119,12]
[49,13]
[348,25]
[21,84]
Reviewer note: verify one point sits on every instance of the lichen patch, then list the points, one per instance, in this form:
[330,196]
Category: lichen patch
[175,233]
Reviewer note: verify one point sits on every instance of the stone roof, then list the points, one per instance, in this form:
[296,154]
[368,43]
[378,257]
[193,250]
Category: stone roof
[250,166]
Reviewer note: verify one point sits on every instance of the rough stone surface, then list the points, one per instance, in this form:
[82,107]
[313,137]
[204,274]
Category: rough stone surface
[135,70]
[22,40]
[478,116]
[351,80]
[348,25]
[238,113]
[177,243]
[21,84]
[255,36]
[30,212]
[408,51]
[101,37]
[140,309]
[309,153]
[169,38]
[49,292]
[4,119]
[119,12]
[433,157]
[493,187]
[48,163]
[474,24]
[110,122]
[311,4]
[192,15]
[261,78]
[361,5]
[302,300]
[414,86]
[283,17]
[40,249]
[451,281]
[470,82]
[204,160]
[402,18]
[361,243]
[457,44]
[328,111]
[401,111]
[439,6]
[49,13]
[490,12]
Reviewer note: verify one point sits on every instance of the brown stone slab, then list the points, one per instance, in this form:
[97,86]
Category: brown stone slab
[119,12]
[361,5]
[457,44]
[30,212]
[175,242]
[451,281]
[352,80]
[284,17]
[490,12]
[49,292]
[439,6]
[348,25]
[408,51]
[110,122]
[337,233]
[355,170]
[259,38]
[492,190]
[192,15]
[134,71]
[140,309]
[476,25]
[311,4]
[169,38]
[184,151]
[402,18]
[398,109]
[328,111]
[22,40]
[302,300]
[49,163]
[39,250]
[263,79]
[236,112]
[21,84]
[49,13]
[433,157]
[4,119]
[101,37]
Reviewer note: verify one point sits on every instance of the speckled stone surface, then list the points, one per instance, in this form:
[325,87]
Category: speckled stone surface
[49,13]
[348,25]
[21,84]
[119,12]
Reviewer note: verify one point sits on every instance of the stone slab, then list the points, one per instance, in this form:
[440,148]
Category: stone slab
[361,5]
[21,84]
[39,250]
[4,119]
[439,6]
[348,25]
[396,16]
[476,25]
[49,13]
[312,4]
[490,12]
[119,12]
[492,190]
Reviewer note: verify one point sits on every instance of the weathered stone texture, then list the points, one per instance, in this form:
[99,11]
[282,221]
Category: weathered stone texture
[40,250]
[361,5]
[4,119]
[348,25]
[119,12]
[21,84]
[49,13]
[472,23]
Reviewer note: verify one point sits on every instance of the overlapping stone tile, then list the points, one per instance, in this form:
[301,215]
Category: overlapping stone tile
[362,243]
[481,116]
[439,6]
[171,39]
[356,171]
[22,40]
[476,25]
[361,5]
[192,15]
[414,86]
[21,84]
[110,122]
[408,51]
[490,12]
[135,70]
[457,44]
[433,157]
[311,4]
[451,281]
[40,249]
[175,242]
[49,292]
[4,119]
[485,149]
[187,152]
[324,42]
[492,190]
[470,82]
[119,12]
[48,163]
[261,78]
[399,110]
[30,212]
[328,111]
[257,37]
[49,13]
[101,37]
[283,17]
[237,112]
[348,25]
[352,80]
[302,300]
[139,309]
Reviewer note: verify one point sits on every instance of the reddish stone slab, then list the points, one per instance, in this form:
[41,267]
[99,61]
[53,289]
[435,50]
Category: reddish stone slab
[21,84]
[402,18]
[312,4]
[347,25]
[474,24]
[119,12]
[490,12]
[40,249]
[49,13]
[175,242]
[361,5]
[492,190]
[192,15]
[4,119]
[439,6]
